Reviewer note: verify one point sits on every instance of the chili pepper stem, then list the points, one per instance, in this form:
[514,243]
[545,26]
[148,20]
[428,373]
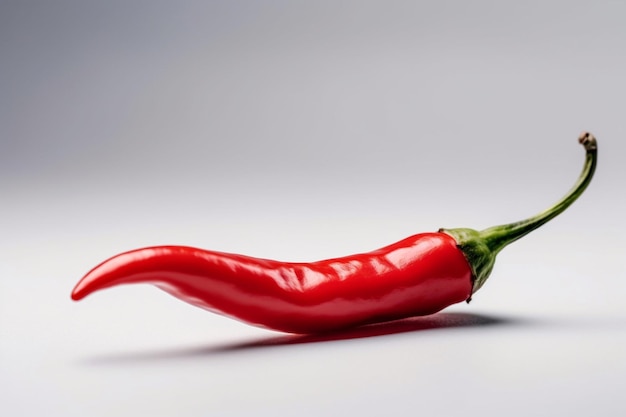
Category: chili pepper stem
[481,247]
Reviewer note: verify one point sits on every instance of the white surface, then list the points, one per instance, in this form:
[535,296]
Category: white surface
[300,132]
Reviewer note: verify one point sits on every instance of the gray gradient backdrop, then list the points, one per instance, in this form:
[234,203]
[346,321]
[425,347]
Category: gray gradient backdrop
[303,130]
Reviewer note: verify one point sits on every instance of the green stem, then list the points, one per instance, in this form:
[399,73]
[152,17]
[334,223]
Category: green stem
[498,237]
[481,248]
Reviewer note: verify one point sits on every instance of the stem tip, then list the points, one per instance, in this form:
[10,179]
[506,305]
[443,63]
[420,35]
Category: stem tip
[588,141]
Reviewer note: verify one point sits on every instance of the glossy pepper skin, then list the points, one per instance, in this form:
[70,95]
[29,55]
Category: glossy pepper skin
[416,276]
[419,275]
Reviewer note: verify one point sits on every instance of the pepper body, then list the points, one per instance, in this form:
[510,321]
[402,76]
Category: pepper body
[419,275]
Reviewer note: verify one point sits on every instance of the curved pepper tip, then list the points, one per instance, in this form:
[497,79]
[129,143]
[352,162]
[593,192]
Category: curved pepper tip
[119,269]
[79,292]
[100,277]
[92,281]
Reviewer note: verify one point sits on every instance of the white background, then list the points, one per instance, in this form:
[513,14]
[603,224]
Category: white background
[301,131]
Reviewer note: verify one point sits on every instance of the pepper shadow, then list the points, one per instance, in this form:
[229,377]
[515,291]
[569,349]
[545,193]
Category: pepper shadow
[441,321]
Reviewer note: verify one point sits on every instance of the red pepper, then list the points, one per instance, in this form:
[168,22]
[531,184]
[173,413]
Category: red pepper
[419,275]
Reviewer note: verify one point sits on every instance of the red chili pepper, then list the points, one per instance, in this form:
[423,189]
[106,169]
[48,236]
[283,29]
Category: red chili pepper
[419,275]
